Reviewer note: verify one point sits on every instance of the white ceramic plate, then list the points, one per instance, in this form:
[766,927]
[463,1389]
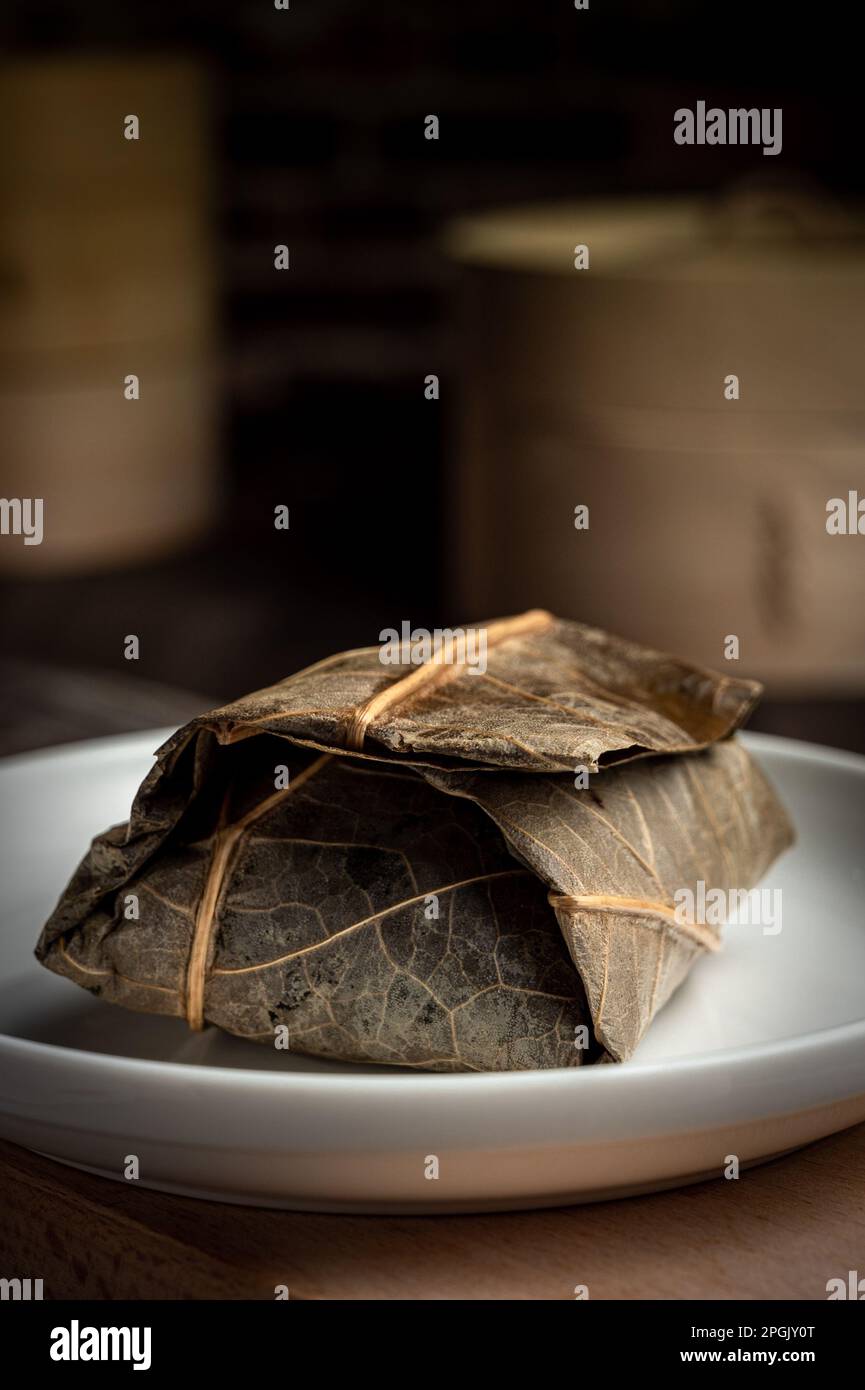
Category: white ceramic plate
[761,1050]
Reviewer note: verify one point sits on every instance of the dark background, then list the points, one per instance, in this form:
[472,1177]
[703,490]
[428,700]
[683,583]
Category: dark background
[317,133]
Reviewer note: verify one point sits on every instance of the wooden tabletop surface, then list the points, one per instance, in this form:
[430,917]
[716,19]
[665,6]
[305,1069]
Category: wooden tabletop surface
[781,1231]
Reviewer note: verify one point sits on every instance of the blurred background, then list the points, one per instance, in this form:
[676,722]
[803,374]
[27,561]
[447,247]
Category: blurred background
[148,266]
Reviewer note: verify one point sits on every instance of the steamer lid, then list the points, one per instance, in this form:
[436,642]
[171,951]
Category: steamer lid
[751,232]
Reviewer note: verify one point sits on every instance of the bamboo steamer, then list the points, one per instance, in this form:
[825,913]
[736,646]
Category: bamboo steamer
[106,271]
[605,387]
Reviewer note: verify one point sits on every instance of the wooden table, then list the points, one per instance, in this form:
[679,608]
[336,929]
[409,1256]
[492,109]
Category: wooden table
[781,1231]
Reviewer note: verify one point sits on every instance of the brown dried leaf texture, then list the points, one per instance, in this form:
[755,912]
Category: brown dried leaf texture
[323,921]
[312,906]
[629,843]
[564,695]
